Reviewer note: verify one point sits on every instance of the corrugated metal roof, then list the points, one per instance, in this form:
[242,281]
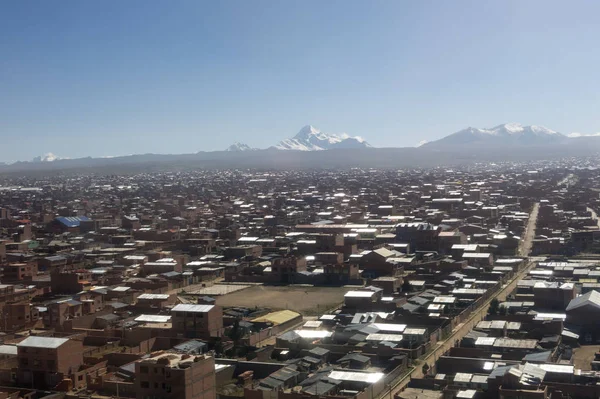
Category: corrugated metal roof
[72,221]
[185,307]
[276,318]
[153,296]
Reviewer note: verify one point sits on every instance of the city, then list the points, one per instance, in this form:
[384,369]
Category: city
[295,284]
[299,199]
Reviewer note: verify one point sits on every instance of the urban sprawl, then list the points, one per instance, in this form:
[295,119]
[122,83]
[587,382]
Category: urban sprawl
[472,282]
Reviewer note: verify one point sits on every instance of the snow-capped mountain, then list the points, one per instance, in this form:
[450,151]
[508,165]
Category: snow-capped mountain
[49,157]
[236,147]
[312,139]
[504,135]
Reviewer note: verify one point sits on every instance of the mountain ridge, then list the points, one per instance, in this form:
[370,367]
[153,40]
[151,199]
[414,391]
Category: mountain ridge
[508,134]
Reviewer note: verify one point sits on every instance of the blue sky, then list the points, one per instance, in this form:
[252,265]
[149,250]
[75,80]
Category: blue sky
[101,78]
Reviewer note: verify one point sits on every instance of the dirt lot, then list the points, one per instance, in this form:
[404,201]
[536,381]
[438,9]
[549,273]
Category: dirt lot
[584,355]
[305,300]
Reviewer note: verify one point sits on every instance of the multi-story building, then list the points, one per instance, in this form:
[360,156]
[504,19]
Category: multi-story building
[45,361]
[198,321]
[174,375]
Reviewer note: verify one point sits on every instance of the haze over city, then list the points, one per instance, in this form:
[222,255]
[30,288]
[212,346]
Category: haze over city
[299,199]
[114,78]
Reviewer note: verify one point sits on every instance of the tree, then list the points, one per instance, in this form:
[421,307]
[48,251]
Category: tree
[502,311]
[236,333]
[406,287]
[218,346]
[494,305]
[425,369]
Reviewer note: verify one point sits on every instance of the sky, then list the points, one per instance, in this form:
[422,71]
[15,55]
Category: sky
[105,78]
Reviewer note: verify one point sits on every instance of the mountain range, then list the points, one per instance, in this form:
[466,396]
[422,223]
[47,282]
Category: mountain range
[311,148]
[509,134]
[310,138]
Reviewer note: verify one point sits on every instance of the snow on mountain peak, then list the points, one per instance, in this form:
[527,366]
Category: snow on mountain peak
[310,138]
[237,146]
[307,131]
[49,157]
[505,134]
[511,127]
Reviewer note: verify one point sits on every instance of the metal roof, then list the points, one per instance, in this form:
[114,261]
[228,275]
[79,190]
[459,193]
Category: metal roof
[385,337]
[359,294]
[8,350]
[592,298]
[72,221]
[185,307]
[42,342]
[278,317]
[151,318]
[357,376]
[153,296]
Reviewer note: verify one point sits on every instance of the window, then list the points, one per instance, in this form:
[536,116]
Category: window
[80,378]
[51,364]
[145,384]
[144,369]
[36,362]
[24,362]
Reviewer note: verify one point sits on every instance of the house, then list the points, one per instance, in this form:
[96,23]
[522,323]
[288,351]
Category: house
[198,321]
[46,361]
[175,375]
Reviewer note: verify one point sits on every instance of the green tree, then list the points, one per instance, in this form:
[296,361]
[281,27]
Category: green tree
[494,305]
[425,369]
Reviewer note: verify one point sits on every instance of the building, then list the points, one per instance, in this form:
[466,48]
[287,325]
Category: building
[174,375]
[45,361]
[198,321]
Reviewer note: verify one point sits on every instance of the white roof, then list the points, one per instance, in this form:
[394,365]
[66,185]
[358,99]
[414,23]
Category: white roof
[313,333]
[592,298]
[359,294]
[42,342]
[485,341]
[356,376]
[385,337]
[185,307]
[389,327]
[153,296]
[152,318]
[8,350]
[476,255]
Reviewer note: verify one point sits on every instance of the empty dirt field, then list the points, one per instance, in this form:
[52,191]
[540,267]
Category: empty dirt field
[309,301]
[583,356]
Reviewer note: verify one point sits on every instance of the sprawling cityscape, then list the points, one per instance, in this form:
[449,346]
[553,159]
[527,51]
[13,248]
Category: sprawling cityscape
[475,282]
[261,199]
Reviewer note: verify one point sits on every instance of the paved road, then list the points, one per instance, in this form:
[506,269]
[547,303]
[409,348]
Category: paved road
[463,329]
[527,241]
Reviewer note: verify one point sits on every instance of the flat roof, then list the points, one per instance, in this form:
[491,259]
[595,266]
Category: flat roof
[42,342]
[385,337]
[359,294]
[185,307]
[369,378]
[151,318]
[153,296]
